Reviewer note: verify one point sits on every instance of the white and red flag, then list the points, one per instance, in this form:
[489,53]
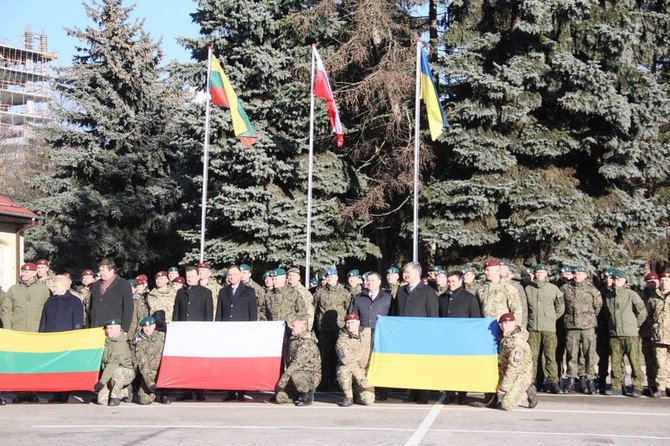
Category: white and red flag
[322,90]
[222,355]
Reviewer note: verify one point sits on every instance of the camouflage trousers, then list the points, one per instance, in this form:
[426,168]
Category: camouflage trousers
[662,380]
[346,381]
[300,382]
[650,363]
[516,394]
[628,346]
[118,386]
[581,353]
[544,342]
[144,395]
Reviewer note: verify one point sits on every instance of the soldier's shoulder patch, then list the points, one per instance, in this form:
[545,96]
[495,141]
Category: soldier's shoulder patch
[340,354]
[518,355]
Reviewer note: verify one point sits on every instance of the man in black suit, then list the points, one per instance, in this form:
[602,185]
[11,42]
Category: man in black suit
[111,297]
[193,303]
[419,300]
[237,302]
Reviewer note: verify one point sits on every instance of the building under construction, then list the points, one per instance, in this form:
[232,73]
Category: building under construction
[24,98]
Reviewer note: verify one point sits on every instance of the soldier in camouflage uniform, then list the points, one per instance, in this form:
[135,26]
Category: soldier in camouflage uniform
[625,313]
[148,351]
[393,280]
[162,297]
[469,278]
[44,274]
[659,314]
[506,276]
[283,303]
[527,277]
[293,280]
[648,349]
[245,270]
[117,367]
[331,303]
[583,303]
[602,334]
[545,306]
[173,273]
[441,282]
[303,367]
[84,291]
[354,283]
[565,277]
[140,305]
[209,282]
[515,366]
[497,297]
[353,350]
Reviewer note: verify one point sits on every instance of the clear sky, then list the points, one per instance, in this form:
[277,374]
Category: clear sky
[163,19]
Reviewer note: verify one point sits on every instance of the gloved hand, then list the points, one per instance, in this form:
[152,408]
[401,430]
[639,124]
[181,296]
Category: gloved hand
[98,386]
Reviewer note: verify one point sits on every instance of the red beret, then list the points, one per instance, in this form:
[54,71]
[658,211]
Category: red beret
[203,265]
[160,274]
[29,267]
[42,262]
[351,316]
[141,279]
[87,272]
[179,279]
[491,262]
[651,276]
[507,317]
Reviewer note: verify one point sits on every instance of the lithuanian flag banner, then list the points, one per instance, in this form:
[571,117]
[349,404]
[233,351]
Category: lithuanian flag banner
[50,362]
[222,93]
[435,354]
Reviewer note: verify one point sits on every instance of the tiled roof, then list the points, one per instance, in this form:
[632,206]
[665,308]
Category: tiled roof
[11,208]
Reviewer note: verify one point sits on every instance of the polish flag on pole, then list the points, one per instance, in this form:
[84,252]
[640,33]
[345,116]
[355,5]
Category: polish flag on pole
[322,90]
[222,355]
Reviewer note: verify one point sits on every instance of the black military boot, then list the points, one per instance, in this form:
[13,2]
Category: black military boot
[305,399]
[590,387]
[532,397]
[346,402]
[582,384]
[555,388]
[114,402]
[570,385]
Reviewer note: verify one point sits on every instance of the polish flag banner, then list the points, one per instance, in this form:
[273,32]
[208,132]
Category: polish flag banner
[322,90]
[222,355]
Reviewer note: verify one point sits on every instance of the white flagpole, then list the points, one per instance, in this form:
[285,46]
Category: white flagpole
[417,105]
[205,163]
[310,168]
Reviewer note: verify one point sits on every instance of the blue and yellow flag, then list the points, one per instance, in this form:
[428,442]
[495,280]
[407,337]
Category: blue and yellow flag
[437,121]
[435,354]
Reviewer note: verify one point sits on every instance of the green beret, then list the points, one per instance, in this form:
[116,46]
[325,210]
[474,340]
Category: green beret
[436,269]
[147,321]
[173,269]
[526,271]
[245,267]
[541,266]
[468,267]
[393,270]
[267,274]
[567,269]
[580,268]
[618,274]
[607,272]
[277,272]
[113,321]
[354,273]
[323,274]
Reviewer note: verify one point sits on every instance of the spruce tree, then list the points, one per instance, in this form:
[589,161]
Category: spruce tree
[257,196]
[108,190]
[558,138]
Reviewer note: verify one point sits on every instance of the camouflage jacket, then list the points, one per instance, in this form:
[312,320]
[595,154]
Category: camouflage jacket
[515,360]
[140,311]
[309,303]
[545,306]
[496,299]
[23,304]
[522,299]
[116,354]
[213,286]
[393,289]
[583,303]
[353,351]
[472,288]
[331,304]
[260,297]
[162,300]
[303,356]
[284,304]
[148,352]
[658,308]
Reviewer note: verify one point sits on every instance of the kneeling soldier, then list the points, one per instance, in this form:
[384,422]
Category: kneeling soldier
[516,365]
[148,351]
[303,367]
[117,366]
[353,350]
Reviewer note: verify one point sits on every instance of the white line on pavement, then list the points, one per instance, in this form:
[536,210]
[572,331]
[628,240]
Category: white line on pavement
[425,425]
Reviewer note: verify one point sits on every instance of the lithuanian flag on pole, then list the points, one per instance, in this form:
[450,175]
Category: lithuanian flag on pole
[222,93]
[50,362]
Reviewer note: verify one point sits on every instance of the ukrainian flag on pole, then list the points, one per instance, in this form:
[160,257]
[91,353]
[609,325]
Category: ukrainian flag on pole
[435,354]
[437,121]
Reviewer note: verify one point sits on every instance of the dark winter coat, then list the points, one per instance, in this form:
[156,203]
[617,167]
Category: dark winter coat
[460,303]
[116,302]
[239,307]
[62,313]
[193,303]
[421,302]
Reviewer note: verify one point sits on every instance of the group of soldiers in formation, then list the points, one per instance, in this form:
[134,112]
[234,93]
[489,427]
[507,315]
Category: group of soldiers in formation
[544,325]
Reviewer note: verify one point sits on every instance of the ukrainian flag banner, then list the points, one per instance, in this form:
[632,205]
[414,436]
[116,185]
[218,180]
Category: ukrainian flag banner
[435,354]
[437,120]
